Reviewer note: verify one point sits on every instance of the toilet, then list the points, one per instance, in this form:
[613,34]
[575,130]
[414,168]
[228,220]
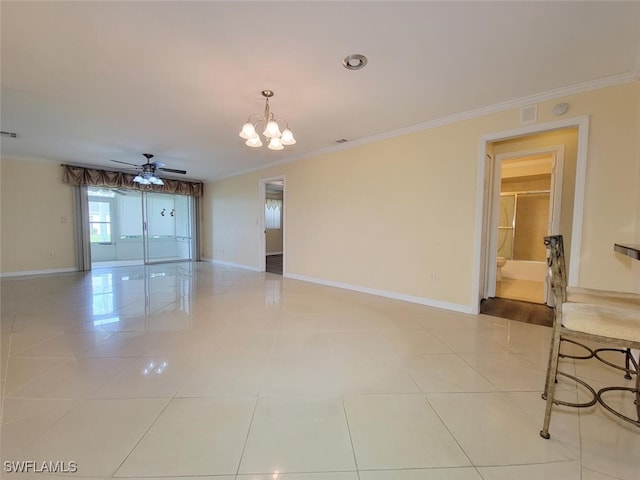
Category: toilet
[501,263]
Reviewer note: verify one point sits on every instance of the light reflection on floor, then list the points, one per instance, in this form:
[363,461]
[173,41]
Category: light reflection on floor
[192,370]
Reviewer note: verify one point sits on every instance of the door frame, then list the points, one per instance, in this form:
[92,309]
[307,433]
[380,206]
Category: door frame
[557,153]
[262,235]
[484,202]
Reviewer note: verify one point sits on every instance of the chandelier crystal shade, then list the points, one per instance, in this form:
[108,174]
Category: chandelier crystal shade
[270,125]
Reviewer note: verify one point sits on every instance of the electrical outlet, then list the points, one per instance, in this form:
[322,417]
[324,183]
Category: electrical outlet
[432,276]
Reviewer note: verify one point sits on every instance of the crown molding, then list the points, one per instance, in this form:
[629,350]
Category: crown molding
[609,81]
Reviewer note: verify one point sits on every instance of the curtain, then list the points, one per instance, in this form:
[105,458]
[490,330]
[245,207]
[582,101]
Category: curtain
[103,178]
[81,221]
[195,242]
[272,213]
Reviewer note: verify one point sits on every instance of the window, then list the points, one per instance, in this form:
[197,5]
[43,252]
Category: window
[101,215]
[272,214]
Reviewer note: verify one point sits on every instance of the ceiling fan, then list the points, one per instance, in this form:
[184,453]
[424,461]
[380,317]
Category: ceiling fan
[147,171]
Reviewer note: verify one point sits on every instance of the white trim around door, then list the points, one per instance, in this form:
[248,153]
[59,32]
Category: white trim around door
[484,203]
[262,240]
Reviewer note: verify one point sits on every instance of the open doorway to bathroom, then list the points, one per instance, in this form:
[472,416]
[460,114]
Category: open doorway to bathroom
[519,264]
[525,216]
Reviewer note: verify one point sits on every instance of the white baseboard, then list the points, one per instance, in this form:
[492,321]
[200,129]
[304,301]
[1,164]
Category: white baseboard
[384,293]
[38,272]
[274,253]
[230,264]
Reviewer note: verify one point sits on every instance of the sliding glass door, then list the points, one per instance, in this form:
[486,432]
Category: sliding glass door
[132,227]
[168,233]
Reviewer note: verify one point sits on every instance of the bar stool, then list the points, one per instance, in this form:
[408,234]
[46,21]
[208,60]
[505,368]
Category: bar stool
[611,318]
[603,297]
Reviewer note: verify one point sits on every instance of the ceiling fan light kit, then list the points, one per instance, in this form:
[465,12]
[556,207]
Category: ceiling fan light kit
[147,171]
[277,139]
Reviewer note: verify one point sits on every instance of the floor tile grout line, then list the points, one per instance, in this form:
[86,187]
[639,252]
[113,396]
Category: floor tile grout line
[478,371]
[582,469]
[115,472]
[580,453]
[530,357]
[246,439]
[55,335]
[276,332]
[444,424]
[528,464]
[80,401]
[5,371]
[29,382]
[270,474]
[539,420]
[353,449]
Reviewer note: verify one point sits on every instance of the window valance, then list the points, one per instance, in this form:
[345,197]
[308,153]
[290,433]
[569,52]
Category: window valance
[104,178]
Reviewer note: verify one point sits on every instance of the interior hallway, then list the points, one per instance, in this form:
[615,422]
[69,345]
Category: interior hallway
[193,370]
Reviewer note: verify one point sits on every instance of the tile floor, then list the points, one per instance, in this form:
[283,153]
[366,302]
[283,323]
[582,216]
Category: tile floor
[203,371]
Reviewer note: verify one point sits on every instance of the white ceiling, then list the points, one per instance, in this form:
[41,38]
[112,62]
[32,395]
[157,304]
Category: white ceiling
[86,82]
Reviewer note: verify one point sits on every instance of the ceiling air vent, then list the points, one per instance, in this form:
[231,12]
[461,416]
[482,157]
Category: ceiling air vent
[342,140]
[529,114]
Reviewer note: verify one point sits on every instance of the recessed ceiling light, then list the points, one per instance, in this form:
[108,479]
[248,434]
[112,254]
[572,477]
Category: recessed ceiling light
[354,62]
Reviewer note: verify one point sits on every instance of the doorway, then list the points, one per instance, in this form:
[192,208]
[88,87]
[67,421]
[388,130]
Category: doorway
[130,227]
[272,194]
[573,173]
[528,209]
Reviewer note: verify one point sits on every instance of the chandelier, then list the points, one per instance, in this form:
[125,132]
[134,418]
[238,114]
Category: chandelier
[277,139]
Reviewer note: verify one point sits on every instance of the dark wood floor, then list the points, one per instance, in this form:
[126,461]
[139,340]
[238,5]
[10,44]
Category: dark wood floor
[518,310]
[274,264]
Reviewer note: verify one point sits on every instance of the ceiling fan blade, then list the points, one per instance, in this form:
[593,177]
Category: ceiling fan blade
[126,163]
[172,170]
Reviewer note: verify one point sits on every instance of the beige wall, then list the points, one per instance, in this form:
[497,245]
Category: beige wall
[399,215]
[611,185]
[635,266]
[237,211]
[37,217]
